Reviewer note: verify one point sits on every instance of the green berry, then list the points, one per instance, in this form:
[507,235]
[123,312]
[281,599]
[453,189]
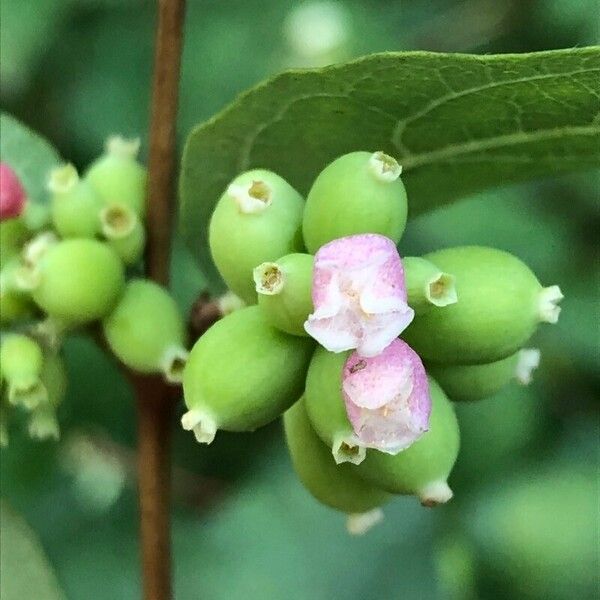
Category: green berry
[75,206]
[284,291]
[336,486]
[78,280]
[125,233]
[360,192]
[242,374]
[256,220]
[146,330]
[43,423]
[426,285]
[500,303]
[15,305]
[423,468]
[326,409]
[117,177]
[21,361]
[476,382]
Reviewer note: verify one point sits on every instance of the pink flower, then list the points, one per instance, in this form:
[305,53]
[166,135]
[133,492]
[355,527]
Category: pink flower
[12,194]
[387,398]
[359,295]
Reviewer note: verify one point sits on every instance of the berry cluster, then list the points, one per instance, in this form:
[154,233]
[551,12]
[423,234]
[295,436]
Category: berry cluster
[366,414]
[76,268]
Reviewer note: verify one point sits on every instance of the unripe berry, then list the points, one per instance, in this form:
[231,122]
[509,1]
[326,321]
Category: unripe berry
[78,280]
[43,423]
[123,229]
[12,193]
[75,206]
[21,361]
[13,234]
[146,330]
[256,220]
[284,291]
[358,192]
[117,177]
[427,286]
[500,305]
[336,486]
[423,468]
[476,382]
[242,374]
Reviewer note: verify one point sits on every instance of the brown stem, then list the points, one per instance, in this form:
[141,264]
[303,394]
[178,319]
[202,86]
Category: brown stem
[154,398]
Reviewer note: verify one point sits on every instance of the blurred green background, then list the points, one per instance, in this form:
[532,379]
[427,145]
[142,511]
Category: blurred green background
[524,521]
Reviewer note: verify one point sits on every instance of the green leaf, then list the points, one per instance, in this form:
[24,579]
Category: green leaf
[458,123]
[28,154]
[26,572]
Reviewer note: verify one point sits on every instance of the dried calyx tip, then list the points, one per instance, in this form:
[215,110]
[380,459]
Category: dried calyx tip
[434,493]
[269,278]
[117,221]
[38,246]
[360,523]
[62,179]
[347,449]
[28,394]
[528,361]
[441,290]
[229,303]
[43,425]
[548,304]
[202,424]
[120,146]
[251,198]
[173,364]
[384,167]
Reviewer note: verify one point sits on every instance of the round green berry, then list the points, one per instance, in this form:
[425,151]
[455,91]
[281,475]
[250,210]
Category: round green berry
[360,192]
[75,206]
[476,382]
[256,220]
[423,468]
[146,330]
[326,409]
[78,280]
[117,177]
[242,374]
[284,291]
[336,486]
[500,303]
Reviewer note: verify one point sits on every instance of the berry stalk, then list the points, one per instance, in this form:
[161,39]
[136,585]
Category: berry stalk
[155,404]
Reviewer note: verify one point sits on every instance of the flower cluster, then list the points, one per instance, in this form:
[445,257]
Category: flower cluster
[64,262]
[362,349]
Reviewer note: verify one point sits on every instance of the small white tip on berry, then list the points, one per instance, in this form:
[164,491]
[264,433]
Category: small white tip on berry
[43,425]
[117,221]
[202,424]
[35,249]
[229,303]
[173,364]
[528,361]
[122,147]
[28,393]
[62,179]
[548,309]
[441,290]
[346,448]
[384,167]
[360,523]
[251,198]
[269,278]
[434,493]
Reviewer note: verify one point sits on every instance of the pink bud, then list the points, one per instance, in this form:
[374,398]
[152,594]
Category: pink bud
[359,295]
[387,398]
[12,194]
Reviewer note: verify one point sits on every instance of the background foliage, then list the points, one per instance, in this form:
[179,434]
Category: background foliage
[243,526]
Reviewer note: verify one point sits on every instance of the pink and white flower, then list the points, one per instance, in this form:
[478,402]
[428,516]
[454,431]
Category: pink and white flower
[12,194]
[387,398]
[359,295]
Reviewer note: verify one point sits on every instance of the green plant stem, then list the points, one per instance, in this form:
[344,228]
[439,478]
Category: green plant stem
[155,400]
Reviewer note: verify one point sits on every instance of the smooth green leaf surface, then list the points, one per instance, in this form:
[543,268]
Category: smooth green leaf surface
[23,564]
[458,123]
[28,154]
